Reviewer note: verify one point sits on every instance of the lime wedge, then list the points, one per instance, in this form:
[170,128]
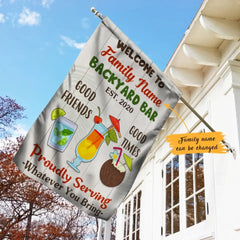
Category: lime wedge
[128,161]
[57,112]
[62,142]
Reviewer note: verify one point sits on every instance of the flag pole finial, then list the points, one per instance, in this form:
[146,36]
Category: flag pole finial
[98,14]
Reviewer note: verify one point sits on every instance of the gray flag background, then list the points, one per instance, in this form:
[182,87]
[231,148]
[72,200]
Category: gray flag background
[72,147]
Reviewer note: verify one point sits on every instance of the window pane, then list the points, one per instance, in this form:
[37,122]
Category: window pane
[201,210]
[197,156]
[189,182]
[125,221]
[190,212]
[168,197]
[138,220]
[134,222]
[125,226]
[188,160]
[175,167]
[139,199]
[128,217]
[138,237]
[176,192]
[199,172]
[168,223]
[168,173]
[129,208]
[133,236]
[176,226]
[134,203]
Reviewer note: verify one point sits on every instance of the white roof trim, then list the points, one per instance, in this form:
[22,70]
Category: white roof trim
[222,28]
[202,55]
[187,77]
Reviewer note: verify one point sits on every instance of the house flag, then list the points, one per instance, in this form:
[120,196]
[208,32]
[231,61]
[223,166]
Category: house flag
[90,141]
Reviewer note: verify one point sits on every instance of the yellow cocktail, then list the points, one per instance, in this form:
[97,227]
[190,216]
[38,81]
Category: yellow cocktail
[87,148]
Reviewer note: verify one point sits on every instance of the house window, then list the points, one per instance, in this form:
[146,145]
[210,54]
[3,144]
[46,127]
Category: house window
[184,201]
[132,213]
[127,221]
[172,197]
[195,189]
[136,216]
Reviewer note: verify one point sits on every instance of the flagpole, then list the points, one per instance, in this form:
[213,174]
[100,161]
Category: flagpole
[232,150]
[98,14]
[198,116]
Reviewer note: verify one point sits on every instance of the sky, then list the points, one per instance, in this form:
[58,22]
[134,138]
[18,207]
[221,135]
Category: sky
[41,39]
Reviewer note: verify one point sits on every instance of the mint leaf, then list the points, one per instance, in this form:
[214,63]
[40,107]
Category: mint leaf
[62,142]
[55,131]
[66,132]
[107,139]
[113,136]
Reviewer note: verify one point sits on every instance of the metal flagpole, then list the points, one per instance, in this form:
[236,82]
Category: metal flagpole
[98,14]
[232,150]
[198,116]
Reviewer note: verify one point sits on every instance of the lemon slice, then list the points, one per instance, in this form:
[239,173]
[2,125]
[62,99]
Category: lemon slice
[57,112]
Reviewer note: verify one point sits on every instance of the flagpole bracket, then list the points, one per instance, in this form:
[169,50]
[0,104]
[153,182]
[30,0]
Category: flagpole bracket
[230,149]
[98,14]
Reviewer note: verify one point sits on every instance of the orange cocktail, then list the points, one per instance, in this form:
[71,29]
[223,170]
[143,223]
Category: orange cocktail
[88,147]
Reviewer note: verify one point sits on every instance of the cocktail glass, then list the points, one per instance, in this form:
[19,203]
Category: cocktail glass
[61,134]
[87,148]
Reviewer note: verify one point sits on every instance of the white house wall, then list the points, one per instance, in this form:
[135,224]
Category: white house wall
[220,108]
[226,168]
[217,100]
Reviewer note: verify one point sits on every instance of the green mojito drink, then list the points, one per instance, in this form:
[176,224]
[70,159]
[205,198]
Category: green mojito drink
[62,133]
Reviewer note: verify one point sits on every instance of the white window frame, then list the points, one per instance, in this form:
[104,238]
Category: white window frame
[195,161]
[170,185]
[203,228]
[132,231]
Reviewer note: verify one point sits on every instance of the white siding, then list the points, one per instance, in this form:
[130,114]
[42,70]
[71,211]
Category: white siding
[218,101]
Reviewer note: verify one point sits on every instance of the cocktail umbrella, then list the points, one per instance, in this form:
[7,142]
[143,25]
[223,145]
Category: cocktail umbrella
[115,124]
